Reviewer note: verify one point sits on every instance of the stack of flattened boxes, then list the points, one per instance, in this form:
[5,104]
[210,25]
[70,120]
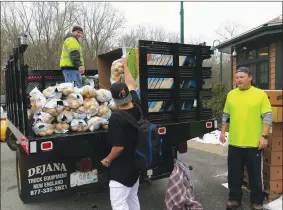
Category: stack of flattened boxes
[273,154]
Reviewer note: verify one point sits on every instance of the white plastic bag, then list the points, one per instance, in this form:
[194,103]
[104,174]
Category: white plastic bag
[79,125]
[66,88]
[37,100]
[61,127]
[117,68]
[79,113]
[42,129]
[91,107]
[75,100]
[54,107]
[103,95]
[43,117]
[88,92]
[94,123]
[52,92]
[104,111]
[65,117]
[112,105]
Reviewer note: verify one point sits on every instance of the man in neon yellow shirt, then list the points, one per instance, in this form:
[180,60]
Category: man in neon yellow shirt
[249,115]
[72,61]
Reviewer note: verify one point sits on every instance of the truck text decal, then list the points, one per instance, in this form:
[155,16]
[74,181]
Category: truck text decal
[50,167]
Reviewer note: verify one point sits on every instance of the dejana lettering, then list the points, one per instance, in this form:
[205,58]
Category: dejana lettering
[50,167]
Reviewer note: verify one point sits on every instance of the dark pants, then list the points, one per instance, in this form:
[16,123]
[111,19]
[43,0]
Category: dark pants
[252,158]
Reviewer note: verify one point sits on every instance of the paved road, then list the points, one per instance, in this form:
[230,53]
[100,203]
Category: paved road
[209,190]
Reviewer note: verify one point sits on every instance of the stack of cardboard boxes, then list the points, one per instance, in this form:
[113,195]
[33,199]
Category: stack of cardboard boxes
[273,154]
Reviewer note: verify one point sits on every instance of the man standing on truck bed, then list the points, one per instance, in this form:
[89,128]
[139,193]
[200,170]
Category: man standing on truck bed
[72,62]
[123,138]
[249,114]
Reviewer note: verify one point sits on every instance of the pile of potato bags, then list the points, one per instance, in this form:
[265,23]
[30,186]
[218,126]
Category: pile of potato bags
[63,108]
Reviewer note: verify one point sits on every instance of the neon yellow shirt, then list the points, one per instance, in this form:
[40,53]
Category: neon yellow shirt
[246,108]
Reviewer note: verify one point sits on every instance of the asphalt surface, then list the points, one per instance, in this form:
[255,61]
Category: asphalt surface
[208,176]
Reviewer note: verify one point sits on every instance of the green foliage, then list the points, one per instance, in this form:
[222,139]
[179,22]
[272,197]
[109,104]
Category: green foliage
[219,93]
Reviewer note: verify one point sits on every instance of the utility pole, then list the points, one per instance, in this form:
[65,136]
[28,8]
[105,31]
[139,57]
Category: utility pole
[182,23]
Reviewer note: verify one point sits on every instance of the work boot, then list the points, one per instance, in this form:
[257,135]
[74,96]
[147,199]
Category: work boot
[256,207]
[232,205]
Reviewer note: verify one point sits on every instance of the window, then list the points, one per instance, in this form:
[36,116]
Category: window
[251,54]
[263,75]
[262,51]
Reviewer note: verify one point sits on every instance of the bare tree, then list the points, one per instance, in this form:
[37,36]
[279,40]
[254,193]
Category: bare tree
[229,30]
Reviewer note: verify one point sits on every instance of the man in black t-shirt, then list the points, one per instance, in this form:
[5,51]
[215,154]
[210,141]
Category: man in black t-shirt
[122,138]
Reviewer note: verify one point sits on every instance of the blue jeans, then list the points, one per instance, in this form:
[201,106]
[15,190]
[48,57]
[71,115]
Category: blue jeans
[73,75]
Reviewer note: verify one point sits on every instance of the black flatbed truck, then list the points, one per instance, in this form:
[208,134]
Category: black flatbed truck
[45,165]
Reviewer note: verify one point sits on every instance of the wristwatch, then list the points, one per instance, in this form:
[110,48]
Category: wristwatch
[265,136]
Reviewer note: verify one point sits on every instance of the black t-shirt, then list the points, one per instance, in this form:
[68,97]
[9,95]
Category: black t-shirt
[122,133]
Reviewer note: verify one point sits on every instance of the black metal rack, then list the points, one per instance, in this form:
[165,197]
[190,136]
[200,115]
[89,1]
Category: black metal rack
[19,83]
[176,94]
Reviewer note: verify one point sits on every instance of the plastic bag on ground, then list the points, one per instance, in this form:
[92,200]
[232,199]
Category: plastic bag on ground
[79,125]
[52,92]
[54,107]
[274,205]
[94,123]
[42,129]
[75,100]
[43,117]
[104,111]
[103,95]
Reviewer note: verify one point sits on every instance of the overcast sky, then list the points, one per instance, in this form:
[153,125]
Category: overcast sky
[201,18]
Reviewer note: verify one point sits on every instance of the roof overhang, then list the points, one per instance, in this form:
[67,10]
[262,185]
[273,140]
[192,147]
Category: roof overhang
[250,35]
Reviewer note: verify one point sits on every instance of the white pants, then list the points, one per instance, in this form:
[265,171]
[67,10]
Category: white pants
[124,198]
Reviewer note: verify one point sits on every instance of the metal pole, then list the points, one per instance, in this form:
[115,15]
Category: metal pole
[182,23]
[220,75]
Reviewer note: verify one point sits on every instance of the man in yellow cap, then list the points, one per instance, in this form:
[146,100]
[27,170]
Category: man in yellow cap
[72,62]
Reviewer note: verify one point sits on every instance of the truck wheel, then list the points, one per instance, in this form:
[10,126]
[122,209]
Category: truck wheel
[20,167]
[11,140]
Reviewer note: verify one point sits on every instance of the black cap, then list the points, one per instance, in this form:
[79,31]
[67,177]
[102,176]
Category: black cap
[120,93]
[244,70]
[77,28]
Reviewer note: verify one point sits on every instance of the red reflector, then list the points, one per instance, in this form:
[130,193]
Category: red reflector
[48,145]
[161,130]
[86,165]
[208,124]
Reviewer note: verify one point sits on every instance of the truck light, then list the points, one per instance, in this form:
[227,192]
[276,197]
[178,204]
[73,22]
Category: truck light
[208,124]
[46,146]
[162,130]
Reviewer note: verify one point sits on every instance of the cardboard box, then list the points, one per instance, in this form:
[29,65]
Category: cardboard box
[276,130]
[273,158]
[275,97]
[277,114]
[273,186]
[272,172]
[275,143]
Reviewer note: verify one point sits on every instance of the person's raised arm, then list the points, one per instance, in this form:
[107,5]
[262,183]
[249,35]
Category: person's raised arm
[129,80]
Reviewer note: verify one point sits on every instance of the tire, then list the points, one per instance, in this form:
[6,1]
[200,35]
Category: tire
[20,167]
[11,140]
